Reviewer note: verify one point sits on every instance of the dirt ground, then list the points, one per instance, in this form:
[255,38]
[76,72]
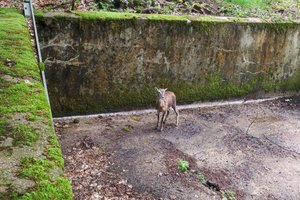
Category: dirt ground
[247,151]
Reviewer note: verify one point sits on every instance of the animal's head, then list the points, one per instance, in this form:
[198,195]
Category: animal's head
[161,92]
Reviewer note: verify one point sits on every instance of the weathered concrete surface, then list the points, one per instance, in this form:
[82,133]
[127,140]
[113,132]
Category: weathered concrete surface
[31,164]
[252,150]
[96,65]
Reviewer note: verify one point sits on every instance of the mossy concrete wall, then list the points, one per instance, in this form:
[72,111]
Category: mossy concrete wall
[105,62]
[31,164]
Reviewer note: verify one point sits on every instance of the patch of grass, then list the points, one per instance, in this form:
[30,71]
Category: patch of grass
[201,177]
[127,129]
[135,118]
[250,3]
[228,195]
[183,165]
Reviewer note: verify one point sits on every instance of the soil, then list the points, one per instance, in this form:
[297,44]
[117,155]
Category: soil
[249,150]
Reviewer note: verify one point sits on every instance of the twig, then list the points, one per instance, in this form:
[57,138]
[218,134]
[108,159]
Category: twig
[250,125]
[282,147]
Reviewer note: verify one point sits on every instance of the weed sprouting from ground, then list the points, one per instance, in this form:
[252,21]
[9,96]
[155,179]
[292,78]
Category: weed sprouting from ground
[228,195]
[201,177]
[127,129]
[183,165]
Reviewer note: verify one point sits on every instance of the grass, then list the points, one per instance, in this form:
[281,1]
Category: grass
[183,165]
[135,118]
[201,177]
[250,3]
[127,129]
[228,195]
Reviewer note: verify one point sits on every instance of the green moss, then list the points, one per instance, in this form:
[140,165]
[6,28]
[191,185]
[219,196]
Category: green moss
[53,151]
[275,27]
[19,97]
[58,189]
[291,83]
[24,135]
[3,127]
[46,188]
[161,17]
[35,169]
[213,88]
[106,15]
[31,117]
[22,97]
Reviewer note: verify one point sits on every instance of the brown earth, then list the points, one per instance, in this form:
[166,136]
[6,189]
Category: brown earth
[250,150]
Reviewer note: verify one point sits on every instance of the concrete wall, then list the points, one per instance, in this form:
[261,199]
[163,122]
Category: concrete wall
[97,65]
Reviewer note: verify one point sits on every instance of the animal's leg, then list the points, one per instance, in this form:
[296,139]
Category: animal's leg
[157,120]
[168,111]
[161,123]
[177,115]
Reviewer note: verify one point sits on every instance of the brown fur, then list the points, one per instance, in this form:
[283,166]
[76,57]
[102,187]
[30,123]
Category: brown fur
[163,105]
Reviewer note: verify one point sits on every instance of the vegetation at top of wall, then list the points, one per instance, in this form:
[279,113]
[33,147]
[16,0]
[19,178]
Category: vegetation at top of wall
[25,117]
[105,15]
[270,9]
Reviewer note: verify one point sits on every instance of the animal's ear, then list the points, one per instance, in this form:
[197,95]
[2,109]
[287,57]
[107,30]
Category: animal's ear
[166,89]
[156,89]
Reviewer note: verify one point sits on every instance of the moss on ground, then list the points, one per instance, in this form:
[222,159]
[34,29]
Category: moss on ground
[25,117]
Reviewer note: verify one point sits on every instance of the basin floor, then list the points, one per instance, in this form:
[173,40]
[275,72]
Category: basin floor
[249,151]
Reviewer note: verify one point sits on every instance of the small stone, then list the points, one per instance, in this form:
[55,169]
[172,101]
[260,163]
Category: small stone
[96,195]
[66,126]
[160,174]
[172,197]
[28,82]
[123,182]
[84,166]
[76,121]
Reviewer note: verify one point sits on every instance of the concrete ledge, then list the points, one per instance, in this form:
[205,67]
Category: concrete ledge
[31,164]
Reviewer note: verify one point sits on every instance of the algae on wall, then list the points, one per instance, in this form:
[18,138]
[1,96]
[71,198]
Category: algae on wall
[31,164]
[104,62]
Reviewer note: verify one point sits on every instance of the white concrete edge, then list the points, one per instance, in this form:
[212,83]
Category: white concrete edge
[180,107]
